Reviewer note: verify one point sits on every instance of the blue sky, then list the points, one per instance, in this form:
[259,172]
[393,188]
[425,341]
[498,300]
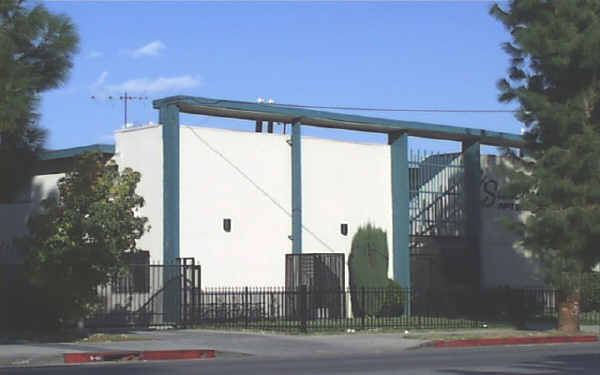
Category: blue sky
[434,55]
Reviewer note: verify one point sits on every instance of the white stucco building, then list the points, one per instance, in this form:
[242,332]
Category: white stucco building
[245,177]
[235,205]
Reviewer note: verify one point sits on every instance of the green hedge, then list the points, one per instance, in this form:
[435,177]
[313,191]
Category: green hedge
[393,301]
[368,266]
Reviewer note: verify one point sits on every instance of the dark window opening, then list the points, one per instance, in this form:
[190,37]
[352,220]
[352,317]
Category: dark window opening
[227,225]
[344,229]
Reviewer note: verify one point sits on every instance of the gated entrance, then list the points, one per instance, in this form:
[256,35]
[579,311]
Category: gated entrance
[323,276]
[441,255]
[149,295]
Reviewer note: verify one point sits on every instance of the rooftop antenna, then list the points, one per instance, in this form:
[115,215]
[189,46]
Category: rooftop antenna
[125,98]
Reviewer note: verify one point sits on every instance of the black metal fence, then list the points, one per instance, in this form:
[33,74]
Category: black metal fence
[315,270]
[148,295]
[171,295]
[307,309]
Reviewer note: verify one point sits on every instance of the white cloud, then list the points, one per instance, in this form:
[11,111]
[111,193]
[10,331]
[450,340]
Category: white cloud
[156,85]
[101,79]
[95,54]
[150,49]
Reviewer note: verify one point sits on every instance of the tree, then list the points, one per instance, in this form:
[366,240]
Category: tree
[368,268]
[554,77]
[80,239]
[36,51]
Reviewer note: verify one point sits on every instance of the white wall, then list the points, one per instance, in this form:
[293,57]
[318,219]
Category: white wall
[246,176]
[141,150]
[14,217]
[344,182]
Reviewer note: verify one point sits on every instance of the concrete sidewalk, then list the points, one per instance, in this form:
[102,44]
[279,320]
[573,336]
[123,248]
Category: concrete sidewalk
[242,344]
[227,344]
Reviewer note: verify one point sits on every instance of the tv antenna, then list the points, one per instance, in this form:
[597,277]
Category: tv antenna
[125,98]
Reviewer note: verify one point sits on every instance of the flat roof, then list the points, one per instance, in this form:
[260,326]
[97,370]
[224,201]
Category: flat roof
[76,151]
[280,113]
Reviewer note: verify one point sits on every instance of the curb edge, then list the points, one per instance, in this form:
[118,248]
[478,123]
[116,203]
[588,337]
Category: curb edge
[140,355]
[510,341]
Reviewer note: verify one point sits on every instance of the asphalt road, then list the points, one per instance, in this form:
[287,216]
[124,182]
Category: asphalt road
[515,360]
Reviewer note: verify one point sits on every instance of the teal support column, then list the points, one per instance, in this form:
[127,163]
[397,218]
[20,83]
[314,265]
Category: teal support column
[400,216]
[169,119]
[472,162]
[296,188]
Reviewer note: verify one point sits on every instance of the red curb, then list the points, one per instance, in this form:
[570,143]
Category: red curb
[513,341]
[142,355]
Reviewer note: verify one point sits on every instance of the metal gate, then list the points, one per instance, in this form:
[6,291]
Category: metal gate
[440,256]
[323,276]
[436,205]
[149,295]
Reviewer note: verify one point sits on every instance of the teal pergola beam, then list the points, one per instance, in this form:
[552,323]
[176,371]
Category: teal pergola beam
[289,114]
[400,215]
[296,188]
[472,179]
[169,119]
[76,151]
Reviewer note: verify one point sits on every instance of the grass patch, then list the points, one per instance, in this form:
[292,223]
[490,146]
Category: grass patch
[70,336]
[491,334]
[40,336]
[104,337]
[354,325]
[343,324]
[585,317]
[416,334]
[416,326]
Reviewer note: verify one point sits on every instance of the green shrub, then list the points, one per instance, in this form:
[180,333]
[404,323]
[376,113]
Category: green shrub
[81,238]
[27,307]
[368,267]
[393,300]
